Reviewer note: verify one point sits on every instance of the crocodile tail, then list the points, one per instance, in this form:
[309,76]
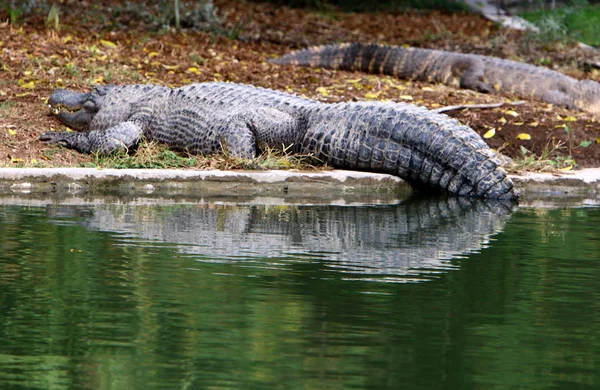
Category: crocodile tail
[427,149]
[363,57]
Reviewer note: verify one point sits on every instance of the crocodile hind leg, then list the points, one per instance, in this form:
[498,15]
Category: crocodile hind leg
[124,136]
[471,72]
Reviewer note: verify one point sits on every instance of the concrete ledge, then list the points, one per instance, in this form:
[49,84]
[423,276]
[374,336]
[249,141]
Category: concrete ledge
[300,186]
[295,186]
[576,184]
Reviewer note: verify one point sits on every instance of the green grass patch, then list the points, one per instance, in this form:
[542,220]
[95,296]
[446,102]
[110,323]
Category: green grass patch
[152,155]
[578,22]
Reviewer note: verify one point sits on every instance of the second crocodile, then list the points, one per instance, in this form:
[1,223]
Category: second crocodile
[429,150]
[470,71]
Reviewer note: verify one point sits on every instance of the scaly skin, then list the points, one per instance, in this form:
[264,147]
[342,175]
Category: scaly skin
[471,71]
[431,151]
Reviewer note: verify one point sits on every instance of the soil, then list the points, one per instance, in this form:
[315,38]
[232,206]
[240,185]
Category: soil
[97,45]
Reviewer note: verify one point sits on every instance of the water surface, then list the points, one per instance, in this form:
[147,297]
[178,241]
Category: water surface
[440,293]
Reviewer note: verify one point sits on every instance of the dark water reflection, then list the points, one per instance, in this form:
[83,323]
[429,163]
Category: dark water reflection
[222,296]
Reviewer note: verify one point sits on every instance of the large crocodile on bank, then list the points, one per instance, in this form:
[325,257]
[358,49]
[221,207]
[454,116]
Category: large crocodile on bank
[470,71]
[429,150]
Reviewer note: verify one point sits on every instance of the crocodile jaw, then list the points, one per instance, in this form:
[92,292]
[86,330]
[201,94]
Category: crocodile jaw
[74,109]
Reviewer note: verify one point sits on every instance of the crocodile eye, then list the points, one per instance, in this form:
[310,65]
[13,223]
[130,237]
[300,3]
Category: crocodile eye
[89,105]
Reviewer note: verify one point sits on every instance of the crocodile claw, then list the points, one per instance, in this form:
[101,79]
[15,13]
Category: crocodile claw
[56,137]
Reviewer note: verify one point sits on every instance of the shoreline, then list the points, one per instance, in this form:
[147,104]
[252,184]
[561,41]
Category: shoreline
[294,186]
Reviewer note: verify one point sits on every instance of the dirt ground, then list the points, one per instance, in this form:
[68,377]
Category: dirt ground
[95,45]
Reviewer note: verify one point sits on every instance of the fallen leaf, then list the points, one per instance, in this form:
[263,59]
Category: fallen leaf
[406,97]
[152,54]
[570,119]
[28,85]
[109,44]
[12,132]
[511,113]
[566,168]
[372,95]
[322,91]
[502,120]
[490,133]
[523,136]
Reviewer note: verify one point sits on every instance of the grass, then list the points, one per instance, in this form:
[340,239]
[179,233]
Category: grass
[550,160]
[153,155]
[578,22]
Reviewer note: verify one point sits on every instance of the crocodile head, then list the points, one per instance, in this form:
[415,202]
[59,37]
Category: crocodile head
[76,109]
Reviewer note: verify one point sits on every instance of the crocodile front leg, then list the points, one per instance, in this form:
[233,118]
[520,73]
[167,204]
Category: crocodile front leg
[124,136]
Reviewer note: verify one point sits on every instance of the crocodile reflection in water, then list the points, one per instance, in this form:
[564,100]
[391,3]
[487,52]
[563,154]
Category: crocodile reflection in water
[406,239]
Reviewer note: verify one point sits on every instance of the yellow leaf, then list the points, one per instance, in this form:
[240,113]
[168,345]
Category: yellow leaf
[534,124]
[428,89]
[559,117]
[322,91]
[490,133]
[67,39]
[152,54]
[372,95]
[109,44]
[563,126]
[405,97]
[502,120]
[27,73]
[570,119]
[12,132]
[59,83]
[352,81]
[566,168]
[497,87]
[170,67]
[16,160]
[29,85]
[523,136]
[34,161]
[597,140]
[193,69]
[23,94]
[99,80]
[519,123]
[511,113]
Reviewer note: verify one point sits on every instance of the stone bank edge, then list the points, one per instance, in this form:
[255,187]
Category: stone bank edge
[289,183]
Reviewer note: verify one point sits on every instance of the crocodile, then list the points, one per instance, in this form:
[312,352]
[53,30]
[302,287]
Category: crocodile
[470,71]
[429,150]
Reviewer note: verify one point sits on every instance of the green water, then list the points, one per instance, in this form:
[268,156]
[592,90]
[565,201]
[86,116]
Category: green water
[422,295]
